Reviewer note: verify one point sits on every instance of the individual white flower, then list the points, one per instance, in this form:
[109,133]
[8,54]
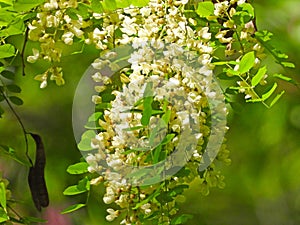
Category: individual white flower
[34,57]
[181,2]
[139,42]
[221,7]
[99,64]
[205,59]
[99,34]
[43,84]
[125,222]
[123,201]
[147,208]
[112,214]
[67,38]
[173,50]
[96,99]
[221,37]
[145,11]
[128,26]
[78,33]
[241,2]
[52,21]
[51,5]
[203,33]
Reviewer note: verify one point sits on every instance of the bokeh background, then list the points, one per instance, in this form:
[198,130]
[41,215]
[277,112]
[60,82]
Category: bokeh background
[263,182]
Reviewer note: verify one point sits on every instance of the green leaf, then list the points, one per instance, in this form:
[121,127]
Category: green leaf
[73,208]
[248,8]
[3,195]
[124,3]
[269,93]
[95,117]
[8,2]
[134,128]
[264,35]
[181,219]
[6,17]
[285,78]
[7,50]
[72,13]
[148,99]
[13,88]
[11,153]
[166,117]
[85,145]
[139,173]
[78,168]
[147,112]
[288,64]
[3,216]
[221,63]
[82,187]
[73,190]
[178,190]
[156,155]
[246,62]
[157,132]
[8,74]
[16,100]
[279,54]
[167,139]
[259,76]
[26,5]
[14,28]
[149,198]
[140,3]
[83,10]
[109,5]
[97,6]
[153,179]
[278,96]
[85,142]
[205,9]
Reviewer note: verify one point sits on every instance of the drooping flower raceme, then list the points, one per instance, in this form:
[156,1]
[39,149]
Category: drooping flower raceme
[158,119]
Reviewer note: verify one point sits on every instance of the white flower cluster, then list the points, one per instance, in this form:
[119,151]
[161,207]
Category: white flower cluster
[46,28]
[170,64]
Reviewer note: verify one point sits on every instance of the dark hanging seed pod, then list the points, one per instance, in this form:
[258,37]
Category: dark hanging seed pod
[36,178]
[33,188]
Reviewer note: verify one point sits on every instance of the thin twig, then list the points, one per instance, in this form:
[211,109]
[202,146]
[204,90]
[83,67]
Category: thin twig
[20,122]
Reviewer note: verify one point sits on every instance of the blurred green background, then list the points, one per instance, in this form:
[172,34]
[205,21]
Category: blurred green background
[263,184]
